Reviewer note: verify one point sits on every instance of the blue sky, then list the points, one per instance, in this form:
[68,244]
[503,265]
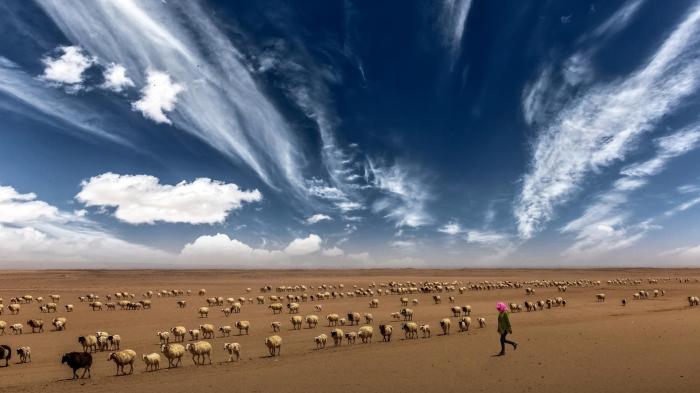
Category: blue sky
[349,133]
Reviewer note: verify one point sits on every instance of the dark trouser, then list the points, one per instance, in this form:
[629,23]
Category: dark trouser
[504,341]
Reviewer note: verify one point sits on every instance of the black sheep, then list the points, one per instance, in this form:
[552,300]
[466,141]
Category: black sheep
[78,360]
[5,353]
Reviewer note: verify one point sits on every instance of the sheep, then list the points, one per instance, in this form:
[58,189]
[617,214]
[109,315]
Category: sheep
[337,335]
[425,329]
[276,326]
[293,308]
[164,337]
[374,303]
[414,302]
[482,322]
[89,343]
[102,343]
[233,349]
[194,334]
[203,312]
[386,331]
[25,354]
[407,314]
[437,299]
[464,324]
[332,319]
[59,323]
[296,320]
[624,302]
[241,326]
[152,361]
[350,337]
[37,325]
[69,307]
[276,308]
[320,341]
[467,310]
[693,300]
[202,292]
[181,303]
[16,328]
[114,341]
[274,345]
[369,318]
[354,318]
[600,297]
[311,321]
[365,334]
[171,352]
[3,325]
[342,321]
[445,324]
[13,309]
[225,330]
[207,330]
[199,350]
[179,333]
[456,311]
[410,330]
[5,354]
[318,308]
[122,358]
[96,306]
[396,316]
[76,361]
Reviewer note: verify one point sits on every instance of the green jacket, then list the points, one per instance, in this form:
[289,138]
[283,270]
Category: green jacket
[504,323]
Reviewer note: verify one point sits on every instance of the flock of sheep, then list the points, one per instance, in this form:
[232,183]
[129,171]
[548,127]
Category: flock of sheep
[289,298]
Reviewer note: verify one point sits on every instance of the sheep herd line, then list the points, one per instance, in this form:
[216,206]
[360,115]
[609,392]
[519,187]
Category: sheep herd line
[290,300]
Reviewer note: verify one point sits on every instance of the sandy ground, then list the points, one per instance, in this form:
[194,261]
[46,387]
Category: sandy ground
[648,346]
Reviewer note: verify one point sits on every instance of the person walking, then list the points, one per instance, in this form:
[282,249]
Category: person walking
[504,328]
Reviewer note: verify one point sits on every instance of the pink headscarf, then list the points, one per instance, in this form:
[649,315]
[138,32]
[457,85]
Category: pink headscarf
[500,306]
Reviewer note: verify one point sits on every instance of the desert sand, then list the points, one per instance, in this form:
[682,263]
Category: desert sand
[647,346]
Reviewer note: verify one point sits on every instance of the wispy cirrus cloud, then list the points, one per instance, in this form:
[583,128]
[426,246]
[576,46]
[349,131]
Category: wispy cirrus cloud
[452,23]
[600,127]
[222,105]
[316,218]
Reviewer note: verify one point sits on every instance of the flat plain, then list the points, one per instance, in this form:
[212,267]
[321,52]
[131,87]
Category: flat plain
[587,346]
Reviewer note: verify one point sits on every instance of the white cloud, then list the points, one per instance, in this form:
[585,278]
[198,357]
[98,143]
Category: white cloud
[140,199]
[309,245]
[450,228]
[318,218]
[682,207]
[617,21]
[333,252]
[68,67]
[360,257]
[56,108]
[41,235]
[116,78]
[405,245]
[486,237]
[405,196]
[601,126]
[222,105]
[453,21]
[157,97]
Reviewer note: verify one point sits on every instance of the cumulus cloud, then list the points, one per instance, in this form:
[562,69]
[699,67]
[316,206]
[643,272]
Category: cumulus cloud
[68,67]
[115,78]
[333,252]
[318,218]
[141,199]
[600,127]
[308,245]
[158,96]
[37,233]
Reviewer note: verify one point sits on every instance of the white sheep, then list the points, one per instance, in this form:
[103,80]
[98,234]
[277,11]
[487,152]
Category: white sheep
[203,312]
[3,326]
[276,326]
[320,341]
[464,324]
[59,323]
[241,326]
[171,352]
[318,308]
[600,297]
[337,335]
[115,341]
[333,319]
[425,329]
[482,322]
[89,343]
[69,307]
[16,328]
[164,337]
[195,334]
[274,345]
[152,361]
[13,309]
[365,334]
[312,321]
[369,318]
[445,324]
[350,337]
[199,350]
[233,349]
[410,330]
[207,330]
[179,333]
[225,330]
[374,303]
[122,358]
